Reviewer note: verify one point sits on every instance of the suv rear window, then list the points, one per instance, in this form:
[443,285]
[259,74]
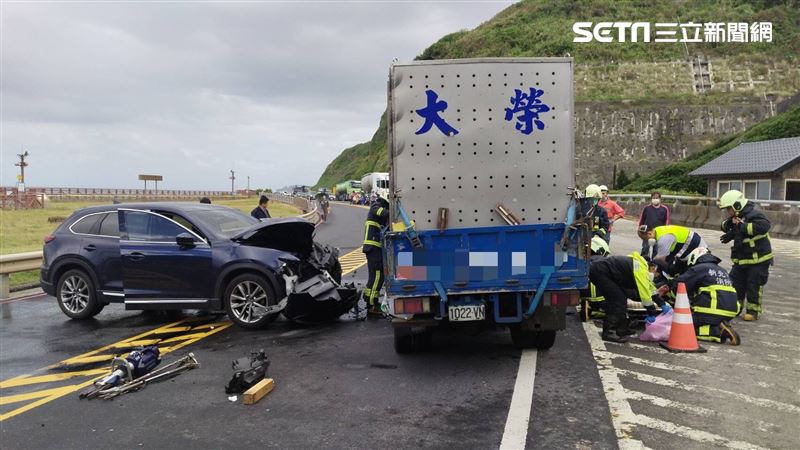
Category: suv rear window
[110,225]
[86,224]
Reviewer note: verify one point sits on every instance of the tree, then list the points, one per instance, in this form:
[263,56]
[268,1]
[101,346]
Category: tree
[622,180]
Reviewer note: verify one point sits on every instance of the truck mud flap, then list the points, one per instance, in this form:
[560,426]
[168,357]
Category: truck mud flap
[319,300]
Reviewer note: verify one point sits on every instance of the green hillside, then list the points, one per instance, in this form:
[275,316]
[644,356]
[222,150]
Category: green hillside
[675,176]
[609,72]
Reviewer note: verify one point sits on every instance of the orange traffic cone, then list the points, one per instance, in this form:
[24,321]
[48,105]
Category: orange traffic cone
[681,336]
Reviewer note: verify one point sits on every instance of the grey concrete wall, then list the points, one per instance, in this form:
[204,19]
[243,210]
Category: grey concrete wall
[705,214]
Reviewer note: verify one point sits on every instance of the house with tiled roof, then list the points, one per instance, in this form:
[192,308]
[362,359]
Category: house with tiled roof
[765,170]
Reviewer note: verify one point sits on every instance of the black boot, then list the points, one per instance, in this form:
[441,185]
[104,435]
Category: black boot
[610,333]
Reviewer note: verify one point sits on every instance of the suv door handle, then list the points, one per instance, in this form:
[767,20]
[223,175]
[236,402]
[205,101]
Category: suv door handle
[90,248]
[136,256]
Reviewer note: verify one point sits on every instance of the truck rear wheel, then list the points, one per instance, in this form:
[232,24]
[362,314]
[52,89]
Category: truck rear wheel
[541,340]
[407,341]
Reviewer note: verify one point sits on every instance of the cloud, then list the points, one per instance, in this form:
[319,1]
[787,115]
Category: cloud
[99,92]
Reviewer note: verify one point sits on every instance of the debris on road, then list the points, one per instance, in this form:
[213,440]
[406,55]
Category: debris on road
[124,370]
[248,372]
[171,370]
[257,392]
[319,299]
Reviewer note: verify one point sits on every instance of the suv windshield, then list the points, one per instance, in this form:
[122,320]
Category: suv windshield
[227,222]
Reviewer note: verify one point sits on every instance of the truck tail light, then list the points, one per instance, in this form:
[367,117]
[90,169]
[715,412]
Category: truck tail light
[564,298]
[412,305]
[49,238]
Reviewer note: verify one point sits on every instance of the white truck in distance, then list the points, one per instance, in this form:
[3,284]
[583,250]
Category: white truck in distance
[377,182]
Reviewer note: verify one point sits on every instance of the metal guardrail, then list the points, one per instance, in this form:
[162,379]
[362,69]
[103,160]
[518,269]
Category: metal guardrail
[17,262]
[686,198]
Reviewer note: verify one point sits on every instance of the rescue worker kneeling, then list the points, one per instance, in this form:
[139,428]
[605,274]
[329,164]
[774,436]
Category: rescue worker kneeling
[618,278]
[592,303]
[377,218]
[712,296]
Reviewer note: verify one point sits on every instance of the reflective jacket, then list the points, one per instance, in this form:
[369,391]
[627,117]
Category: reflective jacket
[709,288]
[685,240]
[632,275]
[377,218]
[751,243]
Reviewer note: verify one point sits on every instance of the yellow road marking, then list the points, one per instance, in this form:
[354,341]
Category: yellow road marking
[99,355]
[352,261]
[25,379]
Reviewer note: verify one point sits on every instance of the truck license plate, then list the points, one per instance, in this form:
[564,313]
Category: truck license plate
[467,312]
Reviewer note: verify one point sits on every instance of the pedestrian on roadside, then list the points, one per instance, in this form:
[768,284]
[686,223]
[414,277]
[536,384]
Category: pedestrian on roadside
[205,200]
[711,296]
[613,210]
[674,243]
[751,253]
[618,278]
[261,211]
[377,221]
[598,215]
[653,215]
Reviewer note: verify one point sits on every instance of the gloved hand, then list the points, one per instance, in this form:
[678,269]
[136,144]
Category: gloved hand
[651,310]
[650,319]
[663,290]
[665,308]
[725,238]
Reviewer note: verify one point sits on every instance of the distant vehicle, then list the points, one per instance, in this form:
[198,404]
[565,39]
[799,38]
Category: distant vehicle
[466,261]
[181,256]
[345,189]
[300,190]
[377,182]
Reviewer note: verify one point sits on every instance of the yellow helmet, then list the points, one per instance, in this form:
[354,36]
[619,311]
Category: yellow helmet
[600,246]
[593,191]
[732,199]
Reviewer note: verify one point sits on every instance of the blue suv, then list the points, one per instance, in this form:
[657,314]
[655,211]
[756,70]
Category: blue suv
[181,256]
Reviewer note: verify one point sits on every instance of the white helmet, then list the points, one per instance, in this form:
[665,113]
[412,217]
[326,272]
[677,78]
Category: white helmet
[600,246]
[603,187]
[696,254]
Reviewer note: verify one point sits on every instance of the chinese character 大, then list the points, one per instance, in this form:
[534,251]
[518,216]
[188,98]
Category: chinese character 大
[431,115]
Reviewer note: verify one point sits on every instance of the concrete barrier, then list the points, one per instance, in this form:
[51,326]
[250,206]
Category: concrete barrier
[702,212]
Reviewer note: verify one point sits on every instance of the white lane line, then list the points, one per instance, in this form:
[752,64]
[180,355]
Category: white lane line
[648,363]
[622,416]
[777,335]
[763,402]
[697,357]
[515,433]
[693,434]
[698,410]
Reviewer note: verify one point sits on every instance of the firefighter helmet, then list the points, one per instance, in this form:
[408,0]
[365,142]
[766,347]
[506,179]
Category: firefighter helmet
[603,187]
[600,246]
[732,199]
[696,254]
[593,191]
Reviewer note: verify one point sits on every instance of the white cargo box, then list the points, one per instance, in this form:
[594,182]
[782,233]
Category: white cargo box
[505,136]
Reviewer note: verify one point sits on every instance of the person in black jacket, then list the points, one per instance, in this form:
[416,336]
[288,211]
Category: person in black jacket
[599,216]
[713,299]
[377,219]
[751,253]
[653,215]
[617,279]
[261,211]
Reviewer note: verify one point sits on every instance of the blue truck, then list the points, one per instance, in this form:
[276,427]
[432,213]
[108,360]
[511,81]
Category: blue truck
[483,228]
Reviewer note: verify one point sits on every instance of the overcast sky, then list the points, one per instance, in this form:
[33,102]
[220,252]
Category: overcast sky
[101,92]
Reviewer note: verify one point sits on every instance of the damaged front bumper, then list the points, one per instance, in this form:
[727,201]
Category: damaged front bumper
[317,299]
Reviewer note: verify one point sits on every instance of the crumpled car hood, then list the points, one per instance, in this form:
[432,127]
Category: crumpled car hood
[292,235]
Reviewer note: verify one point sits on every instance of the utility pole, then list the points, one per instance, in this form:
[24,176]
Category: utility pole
[22,165]
[248,185]
[232,177]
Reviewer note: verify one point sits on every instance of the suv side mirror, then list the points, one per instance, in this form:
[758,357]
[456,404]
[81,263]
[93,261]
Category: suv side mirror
[185,240]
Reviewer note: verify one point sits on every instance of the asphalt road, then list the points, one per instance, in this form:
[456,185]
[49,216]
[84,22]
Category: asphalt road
[342,385]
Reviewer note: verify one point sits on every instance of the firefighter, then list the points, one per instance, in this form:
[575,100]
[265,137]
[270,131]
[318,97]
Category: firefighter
[713,299]
[377,219]
[674,243]
[751,253]
[593,303]
[618,278]
[589,208]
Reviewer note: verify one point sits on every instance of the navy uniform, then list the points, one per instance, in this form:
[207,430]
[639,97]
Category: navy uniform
[377,219]
[751,253]
[712,297]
